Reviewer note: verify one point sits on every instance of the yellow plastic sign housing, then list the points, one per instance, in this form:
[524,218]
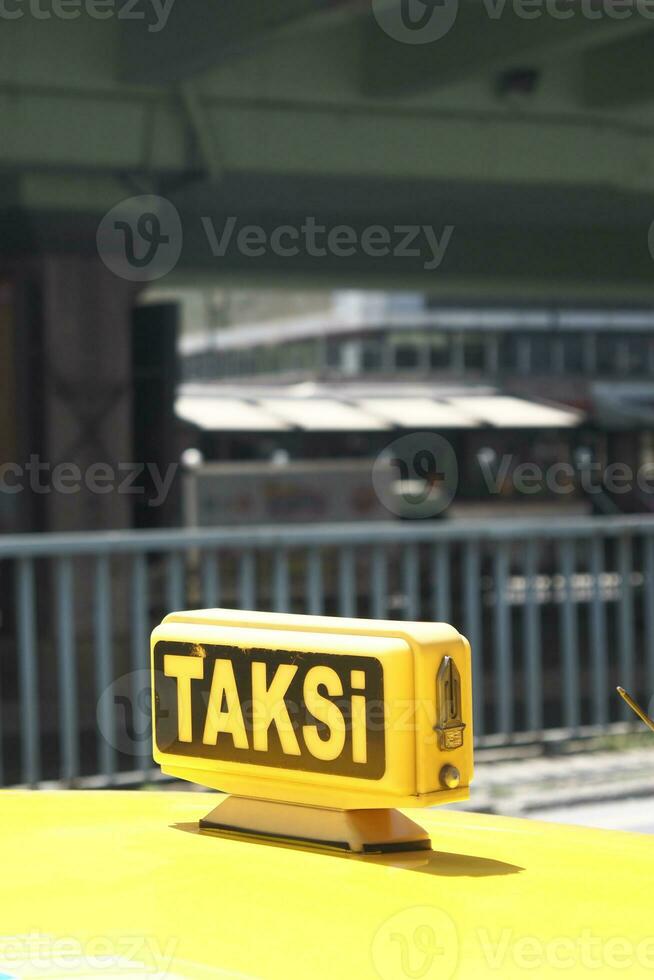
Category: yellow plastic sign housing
[314,710]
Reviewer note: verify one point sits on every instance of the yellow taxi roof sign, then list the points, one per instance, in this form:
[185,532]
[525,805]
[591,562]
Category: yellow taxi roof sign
[314,710]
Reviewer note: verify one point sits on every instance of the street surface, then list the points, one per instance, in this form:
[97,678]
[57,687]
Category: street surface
[611,790]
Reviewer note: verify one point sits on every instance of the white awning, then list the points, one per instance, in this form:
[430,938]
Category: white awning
[330,410]
[216,414]
[505,412]
[323,415]
[411,413]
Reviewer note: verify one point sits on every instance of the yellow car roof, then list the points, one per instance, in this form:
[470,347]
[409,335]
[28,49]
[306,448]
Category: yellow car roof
[121,884]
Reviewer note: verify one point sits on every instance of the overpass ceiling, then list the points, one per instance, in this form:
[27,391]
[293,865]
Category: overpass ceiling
[534,139]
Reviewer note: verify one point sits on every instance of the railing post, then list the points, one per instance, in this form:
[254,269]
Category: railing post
[104,666]
[347,586]
[626,620]
[441,588]
[140,648]
[598,634]
[28,674]
[67,670]
[210,579]
[247,581]
[502,639]
[569,637]
[532,640]
[315,590]
[379,583]
[472,627]
[410,581]
[648,544]
[175,576]
[280,581]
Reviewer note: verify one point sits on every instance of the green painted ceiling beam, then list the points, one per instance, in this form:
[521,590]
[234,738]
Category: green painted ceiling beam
[620,73]
[57,131]
[547,197]
[199,34]
[486,37]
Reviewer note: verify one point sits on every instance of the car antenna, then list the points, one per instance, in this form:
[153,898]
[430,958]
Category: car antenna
[636,707]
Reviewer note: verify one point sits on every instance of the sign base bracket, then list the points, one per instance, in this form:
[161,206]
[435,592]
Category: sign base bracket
[348,831]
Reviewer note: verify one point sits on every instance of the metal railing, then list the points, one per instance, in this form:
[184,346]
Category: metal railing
[557,612]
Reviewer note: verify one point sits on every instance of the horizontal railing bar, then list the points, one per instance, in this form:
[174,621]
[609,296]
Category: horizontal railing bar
[272,536]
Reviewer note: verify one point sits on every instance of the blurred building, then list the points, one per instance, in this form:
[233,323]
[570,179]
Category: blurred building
[556,353]
[355,370]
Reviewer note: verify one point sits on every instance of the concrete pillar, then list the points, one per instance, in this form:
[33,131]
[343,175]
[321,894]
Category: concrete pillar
[86,397]
[66,422]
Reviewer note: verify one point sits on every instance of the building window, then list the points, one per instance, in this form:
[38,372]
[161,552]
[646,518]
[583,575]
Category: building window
[542,354]
[635,355]
[407,356]
[372,355]
[440,351]
[608,354]
[474,352]
[517,353]
[333,354]
[408,349]
[351,357]
[573,353]
[267,360]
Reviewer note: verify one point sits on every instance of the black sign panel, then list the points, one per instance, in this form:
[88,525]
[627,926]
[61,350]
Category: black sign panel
[316,712]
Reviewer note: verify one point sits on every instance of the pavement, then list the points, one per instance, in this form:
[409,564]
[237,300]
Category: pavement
[608,789]
[636,815]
